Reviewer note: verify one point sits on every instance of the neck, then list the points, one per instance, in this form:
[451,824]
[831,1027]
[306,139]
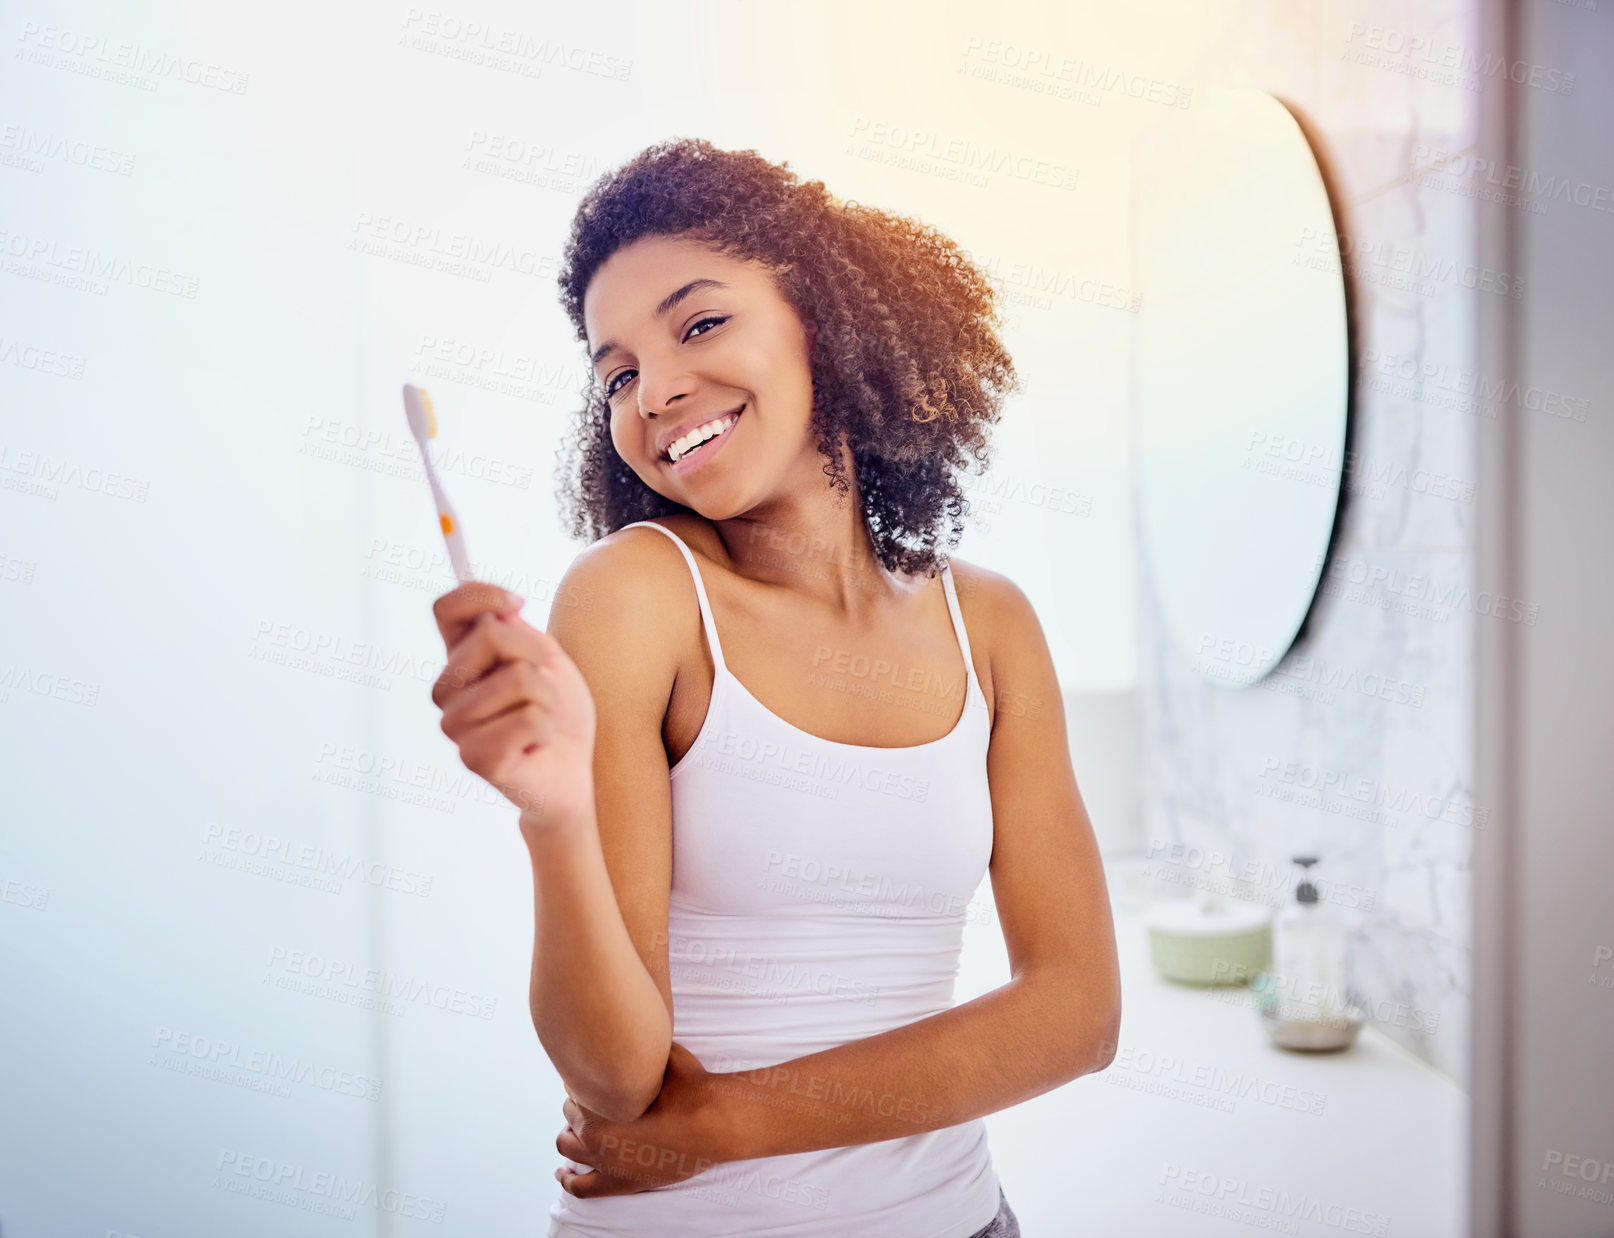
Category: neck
[814,541]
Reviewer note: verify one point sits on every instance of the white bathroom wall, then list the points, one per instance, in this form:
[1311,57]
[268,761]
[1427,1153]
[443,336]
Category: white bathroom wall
[264,942]
[188,908]
[1102,728]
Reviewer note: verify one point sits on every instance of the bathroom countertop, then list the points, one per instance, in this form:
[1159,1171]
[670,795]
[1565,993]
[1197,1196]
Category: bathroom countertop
[1202,1127]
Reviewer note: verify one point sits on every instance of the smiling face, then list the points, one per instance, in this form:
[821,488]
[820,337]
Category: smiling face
[681,336]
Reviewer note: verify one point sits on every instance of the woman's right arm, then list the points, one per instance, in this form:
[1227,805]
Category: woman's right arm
[596,819]
[601,994]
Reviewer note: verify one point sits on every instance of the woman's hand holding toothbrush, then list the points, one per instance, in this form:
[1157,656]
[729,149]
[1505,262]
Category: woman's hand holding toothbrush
[516,705]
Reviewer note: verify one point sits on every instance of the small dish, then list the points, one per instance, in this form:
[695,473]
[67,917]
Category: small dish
[1329,1034]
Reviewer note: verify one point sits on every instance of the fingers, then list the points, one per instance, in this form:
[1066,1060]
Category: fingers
[595,1183]
[456,610]
[507,686]
[491,748]
[589,1181]
[570,1146]
[574,1183]
[586,1181]
[485,644]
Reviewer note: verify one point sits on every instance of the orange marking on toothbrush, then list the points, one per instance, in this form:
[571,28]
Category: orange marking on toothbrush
[448,524]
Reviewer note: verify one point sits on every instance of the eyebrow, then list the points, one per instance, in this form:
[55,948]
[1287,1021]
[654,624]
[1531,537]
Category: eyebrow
[668,302]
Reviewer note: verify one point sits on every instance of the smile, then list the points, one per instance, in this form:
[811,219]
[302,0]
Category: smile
[694,454]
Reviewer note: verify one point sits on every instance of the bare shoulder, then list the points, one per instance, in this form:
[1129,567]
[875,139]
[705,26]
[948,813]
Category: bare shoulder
[1009,638]
[996,610]
[624,600]
[636,563]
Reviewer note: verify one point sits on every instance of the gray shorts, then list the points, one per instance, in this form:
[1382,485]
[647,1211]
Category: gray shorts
[1005,1224]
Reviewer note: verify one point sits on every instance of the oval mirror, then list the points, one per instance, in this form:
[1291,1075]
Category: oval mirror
[1241,381]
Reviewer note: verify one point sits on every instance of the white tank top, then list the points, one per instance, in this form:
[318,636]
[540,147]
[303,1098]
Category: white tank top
[818,897]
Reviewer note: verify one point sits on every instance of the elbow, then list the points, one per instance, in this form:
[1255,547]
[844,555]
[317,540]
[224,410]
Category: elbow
[1089,1018]
[1094,1050]
[619,1101]
[1095,1047]
[627,1100]
[1102,1053]
[618,1092]
[613,1108]
[619,1084]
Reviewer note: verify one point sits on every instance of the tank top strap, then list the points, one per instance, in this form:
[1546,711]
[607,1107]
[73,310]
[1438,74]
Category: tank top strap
[700,589]
[958,618]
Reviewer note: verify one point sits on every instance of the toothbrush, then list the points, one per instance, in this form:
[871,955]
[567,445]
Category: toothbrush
[423,424]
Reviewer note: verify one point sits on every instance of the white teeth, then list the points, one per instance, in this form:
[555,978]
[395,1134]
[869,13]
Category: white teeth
[681,447]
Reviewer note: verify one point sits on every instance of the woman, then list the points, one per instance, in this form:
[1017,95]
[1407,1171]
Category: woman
[743,966]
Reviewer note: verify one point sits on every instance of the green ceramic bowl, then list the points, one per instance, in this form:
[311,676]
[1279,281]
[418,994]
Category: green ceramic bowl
[1209,940]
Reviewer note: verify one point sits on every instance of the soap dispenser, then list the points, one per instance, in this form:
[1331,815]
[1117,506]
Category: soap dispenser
[1306,1003]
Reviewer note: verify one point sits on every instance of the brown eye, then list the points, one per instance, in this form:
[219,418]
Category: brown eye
[703,321]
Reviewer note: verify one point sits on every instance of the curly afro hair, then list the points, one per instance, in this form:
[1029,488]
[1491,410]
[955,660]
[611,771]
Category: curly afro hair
[906,363]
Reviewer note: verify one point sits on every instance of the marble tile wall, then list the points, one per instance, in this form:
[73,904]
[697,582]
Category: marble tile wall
[1229,778]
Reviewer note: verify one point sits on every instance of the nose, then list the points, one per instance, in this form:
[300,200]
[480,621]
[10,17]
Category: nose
[662,386]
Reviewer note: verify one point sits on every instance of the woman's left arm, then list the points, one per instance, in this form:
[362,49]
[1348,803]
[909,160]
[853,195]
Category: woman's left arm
[1059,1015]
[1056,1019]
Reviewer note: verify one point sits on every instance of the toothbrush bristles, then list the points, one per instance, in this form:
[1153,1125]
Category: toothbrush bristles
[431,413]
